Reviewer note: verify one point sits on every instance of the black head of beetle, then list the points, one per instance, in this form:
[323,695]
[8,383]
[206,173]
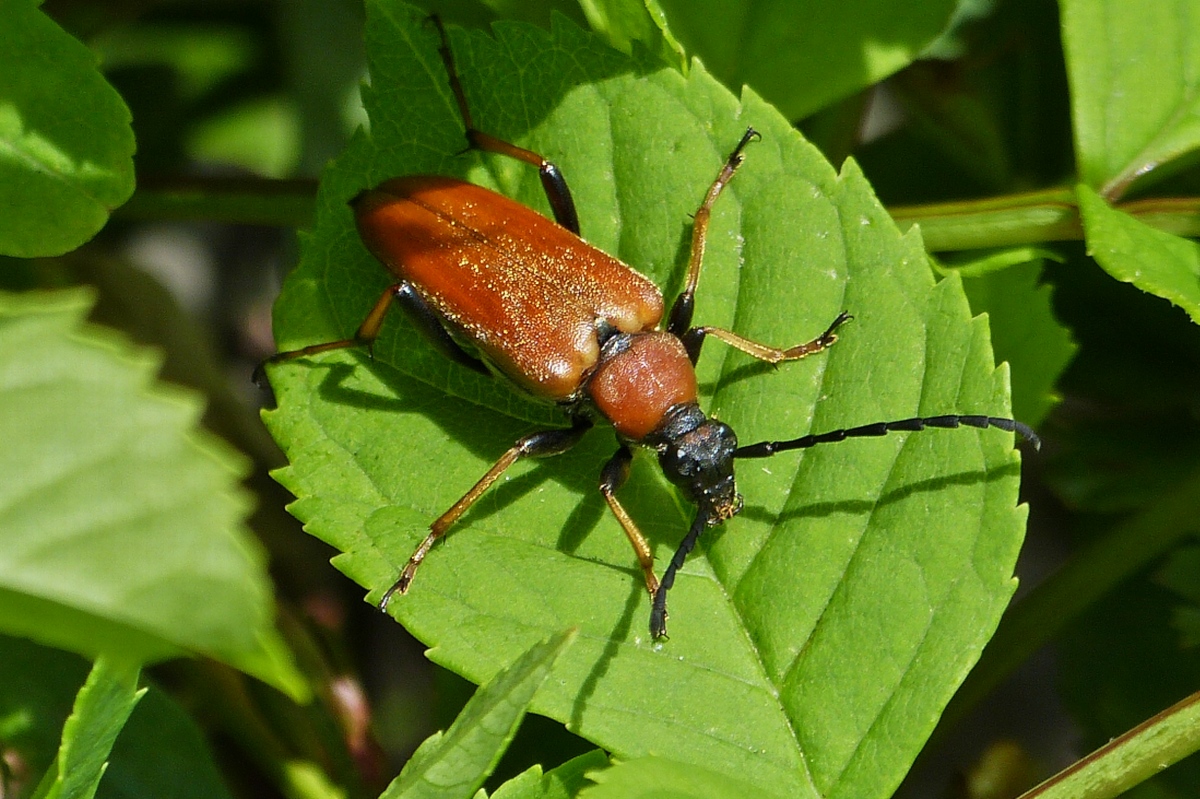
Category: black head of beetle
[696,453]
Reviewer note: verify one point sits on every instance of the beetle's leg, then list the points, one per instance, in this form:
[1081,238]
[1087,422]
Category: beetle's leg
[424,317]
[612,477]
[658,607]
[431,326]
[553,182]
[680,319]
[534,445]
[693,340]
[365,336]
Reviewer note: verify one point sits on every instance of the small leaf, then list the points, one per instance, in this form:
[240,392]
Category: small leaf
[101,708]
[453,765]
[649,777]
[121,522]
[1133,252]
[1135,86]
[894,555]
[66,146]
[561,782]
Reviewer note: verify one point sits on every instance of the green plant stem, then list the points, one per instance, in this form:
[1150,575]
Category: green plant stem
[1003,221]
[1092,572]
[1129,759]
[1017,219]
[994,222]
[245,201]
[1177,215]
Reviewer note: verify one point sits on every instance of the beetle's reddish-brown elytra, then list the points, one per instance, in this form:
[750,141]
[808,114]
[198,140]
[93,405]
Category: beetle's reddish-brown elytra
[498,287]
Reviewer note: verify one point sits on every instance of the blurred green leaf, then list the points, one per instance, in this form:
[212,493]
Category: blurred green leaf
[894,555]
[66,148]
[101,709]
[202,56]
[1135,86]
[261,136]
[802,55]
[950,44]
[122,523]
[622,22]
[1133,252]
[454,764]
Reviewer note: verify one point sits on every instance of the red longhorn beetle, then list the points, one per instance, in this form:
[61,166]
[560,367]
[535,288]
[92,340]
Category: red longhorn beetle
[568,323]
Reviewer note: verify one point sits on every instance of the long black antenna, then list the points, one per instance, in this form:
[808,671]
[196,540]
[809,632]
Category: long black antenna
[766,449]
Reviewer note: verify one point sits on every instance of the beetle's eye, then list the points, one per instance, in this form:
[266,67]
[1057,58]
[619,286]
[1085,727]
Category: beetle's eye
[679,464]
[685,465]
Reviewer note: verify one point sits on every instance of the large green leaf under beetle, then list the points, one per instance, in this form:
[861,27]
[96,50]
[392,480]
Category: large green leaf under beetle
[816,637]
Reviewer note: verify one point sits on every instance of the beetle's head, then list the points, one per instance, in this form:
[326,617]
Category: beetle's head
[696,454]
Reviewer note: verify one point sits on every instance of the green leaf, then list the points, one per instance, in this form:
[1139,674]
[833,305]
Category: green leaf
[456,763]
[803,55]
[816,637]
[66,147]
[562,782]
[1133,252]
[101,708]
[1025,334]
[161,752]
[121,522]
[200,55]
[657,777]
[1135,86]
